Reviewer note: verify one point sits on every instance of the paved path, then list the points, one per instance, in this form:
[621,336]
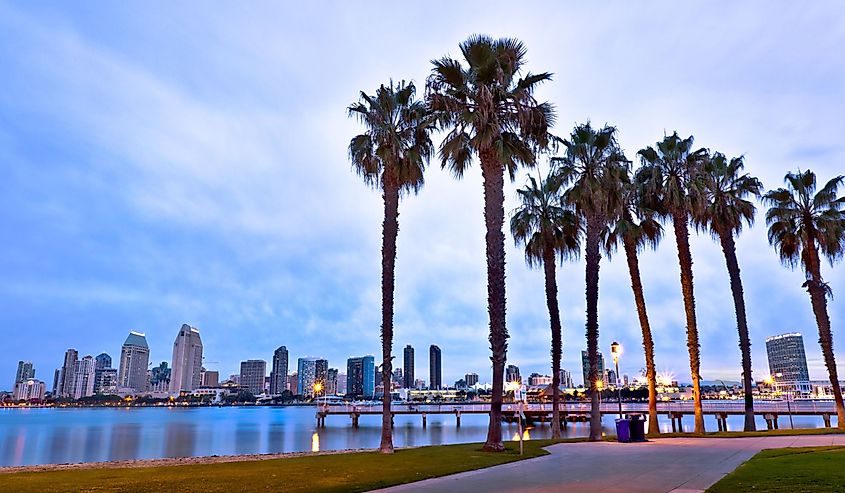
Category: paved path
[679,465]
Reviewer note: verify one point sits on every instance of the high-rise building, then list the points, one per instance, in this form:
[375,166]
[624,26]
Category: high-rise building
[161,378]
[67,375]
[310,371]
[331,382]
[341,383]
[512,374]
[105,380]
[360,377]
[398,379]
[102,360]
[252,375]
[211,378]
[471,379]
[585,369]
[134,359]
[566,379]
[279,372]
[57,375]
[293,383]
[434,368]
[25,371]
[537,380]
[408,373]
[787,358]
[187,360]
[28,390]
[83,385]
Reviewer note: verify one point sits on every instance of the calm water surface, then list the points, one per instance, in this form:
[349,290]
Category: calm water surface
[55,436]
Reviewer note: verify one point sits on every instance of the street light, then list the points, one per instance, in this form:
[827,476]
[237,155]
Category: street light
[616,350]
[788,405]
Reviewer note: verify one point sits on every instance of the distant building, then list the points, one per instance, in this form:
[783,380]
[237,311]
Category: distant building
[105,380]
[419,384]
[211,378]
[321,372]
[535,379]
[331,382]
[67,375]
[787,358]
[279,371]
[360,377]
[610,377]
[83,385]
[102,360]
[566,379]
[293,383]
[309,372]
[29,389]
[471,379]
[187,360]
[252,375]
[398,379]
[434,368]
[161,378]
[585,368]
[512,374]
[25,371]
[408,374]
[134,359]
[341,384]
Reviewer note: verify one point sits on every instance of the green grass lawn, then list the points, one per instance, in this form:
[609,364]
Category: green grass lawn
[325,473]
[796,470]
[759,433]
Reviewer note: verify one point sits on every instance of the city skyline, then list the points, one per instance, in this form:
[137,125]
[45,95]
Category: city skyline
[100,246]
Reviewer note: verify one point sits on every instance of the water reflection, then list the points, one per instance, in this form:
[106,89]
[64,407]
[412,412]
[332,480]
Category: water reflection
[315,442]
[42,436]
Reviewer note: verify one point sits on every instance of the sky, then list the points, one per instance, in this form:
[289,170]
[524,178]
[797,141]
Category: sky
[166,163]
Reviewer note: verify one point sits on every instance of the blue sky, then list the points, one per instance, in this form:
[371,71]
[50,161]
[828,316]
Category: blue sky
[164,164]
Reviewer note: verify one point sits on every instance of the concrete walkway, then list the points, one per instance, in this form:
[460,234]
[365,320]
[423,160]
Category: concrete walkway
[679,465]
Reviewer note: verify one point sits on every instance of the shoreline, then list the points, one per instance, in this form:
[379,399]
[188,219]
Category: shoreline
[176,461]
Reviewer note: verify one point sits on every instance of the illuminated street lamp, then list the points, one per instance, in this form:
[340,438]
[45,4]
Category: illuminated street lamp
[616,350]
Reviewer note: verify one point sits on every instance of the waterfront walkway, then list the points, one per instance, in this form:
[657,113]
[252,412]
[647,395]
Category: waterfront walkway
[678,465]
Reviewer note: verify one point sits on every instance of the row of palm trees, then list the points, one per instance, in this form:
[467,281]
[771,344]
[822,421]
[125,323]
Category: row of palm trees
[485,106]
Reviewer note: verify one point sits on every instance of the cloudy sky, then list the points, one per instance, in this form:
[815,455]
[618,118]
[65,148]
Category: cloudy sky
[168,164]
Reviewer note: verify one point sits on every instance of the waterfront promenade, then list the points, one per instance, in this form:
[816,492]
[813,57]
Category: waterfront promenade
[678,465]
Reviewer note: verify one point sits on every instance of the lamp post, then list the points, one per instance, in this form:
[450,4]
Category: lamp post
[616,350]
[788,405]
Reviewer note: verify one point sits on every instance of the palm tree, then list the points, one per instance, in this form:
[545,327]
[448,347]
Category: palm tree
[595,170]
[547,229]
[804,225]
[636,228]
[725,210]
[391,155]
[668,183]
[490,111]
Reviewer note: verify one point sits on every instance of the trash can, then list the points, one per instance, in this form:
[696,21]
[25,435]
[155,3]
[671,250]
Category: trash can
[637,427]
[623,430]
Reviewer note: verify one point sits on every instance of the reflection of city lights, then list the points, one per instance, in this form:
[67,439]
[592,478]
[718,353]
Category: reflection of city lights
[315,442]
[515,437]
[526,435]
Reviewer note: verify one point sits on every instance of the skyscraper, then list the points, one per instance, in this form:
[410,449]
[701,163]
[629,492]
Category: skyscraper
[585,368]
[566,379]
[361,377]
[134,359]
[101,361]
[408,374]
[25,371]
[187,360]
[471,379]
[279,372]
[29,389]
[321,372]
[787,357]
[210,378]
[512,374]
[83,385]
[252,375]
[105,377]
[67,375]
[331,382]
[434,368]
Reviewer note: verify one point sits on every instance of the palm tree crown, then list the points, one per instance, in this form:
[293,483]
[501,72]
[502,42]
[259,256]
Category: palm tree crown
[801,218]
[634,223]
[725,208]
[396,146]
[541,222]
[668,175]
[487,106]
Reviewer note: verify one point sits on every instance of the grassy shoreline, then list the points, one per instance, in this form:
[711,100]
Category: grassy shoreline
[804,469]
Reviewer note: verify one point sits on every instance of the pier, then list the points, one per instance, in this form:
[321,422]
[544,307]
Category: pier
[675,411]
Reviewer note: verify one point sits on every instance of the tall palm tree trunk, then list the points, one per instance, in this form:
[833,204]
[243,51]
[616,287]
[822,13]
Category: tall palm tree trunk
[388,266]
[648,342]
[593,257]
[818,298]
[680,224]
[493,173]
[554,318]
[729,248]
